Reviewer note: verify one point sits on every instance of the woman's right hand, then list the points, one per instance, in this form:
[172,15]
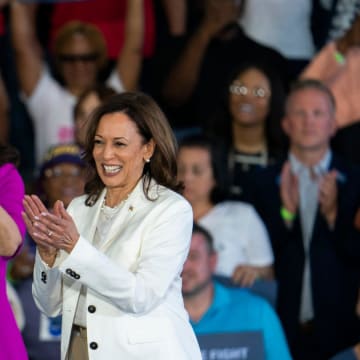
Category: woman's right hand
[33,208]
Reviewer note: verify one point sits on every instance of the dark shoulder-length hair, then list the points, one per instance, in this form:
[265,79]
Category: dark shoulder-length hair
[151,123]
[220,124]
[217,162]
[9,154]
[103,92]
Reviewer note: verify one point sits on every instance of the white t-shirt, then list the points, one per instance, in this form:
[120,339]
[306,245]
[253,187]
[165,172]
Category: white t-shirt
[51,109]
[240,236]
[280,24]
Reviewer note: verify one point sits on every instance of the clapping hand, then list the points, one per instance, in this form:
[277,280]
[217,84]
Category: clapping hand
[51,232]
[289,189]
[328,196]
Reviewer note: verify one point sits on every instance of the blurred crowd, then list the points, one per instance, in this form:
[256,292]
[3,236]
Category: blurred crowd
[262,96]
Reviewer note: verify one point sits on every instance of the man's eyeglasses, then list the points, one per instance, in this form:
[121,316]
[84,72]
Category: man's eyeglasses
[243,90]
[71,58]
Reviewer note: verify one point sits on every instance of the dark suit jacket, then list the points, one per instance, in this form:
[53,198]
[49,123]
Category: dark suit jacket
[335,276]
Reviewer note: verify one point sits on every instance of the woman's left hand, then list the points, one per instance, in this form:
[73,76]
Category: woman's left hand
[245,275]
[56,230]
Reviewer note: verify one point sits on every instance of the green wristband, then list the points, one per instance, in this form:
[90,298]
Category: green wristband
[286,214]
[339,58]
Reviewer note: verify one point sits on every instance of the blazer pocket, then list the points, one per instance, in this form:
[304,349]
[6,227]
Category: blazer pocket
[147,330]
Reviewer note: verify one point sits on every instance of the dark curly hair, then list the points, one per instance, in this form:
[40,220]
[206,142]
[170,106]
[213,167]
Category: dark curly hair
[220,125]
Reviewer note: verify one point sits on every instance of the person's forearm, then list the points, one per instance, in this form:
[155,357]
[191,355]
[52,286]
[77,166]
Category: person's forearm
[129,62]
[28,55]
[10,237]
[175,11]
[22,25]
[183,77]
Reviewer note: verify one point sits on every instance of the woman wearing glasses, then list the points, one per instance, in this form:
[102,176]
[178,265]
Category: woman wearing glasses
[79,56]
[249,124]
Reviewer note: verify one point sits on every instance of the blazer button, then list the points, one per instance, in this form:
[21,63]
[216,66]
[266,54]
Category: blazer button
[93,345]
[76,276]
[43,277]
[91,309]
[69,272]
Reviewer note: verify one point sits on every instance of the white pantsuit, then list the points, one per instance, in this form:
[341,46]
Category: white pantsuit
[134,306]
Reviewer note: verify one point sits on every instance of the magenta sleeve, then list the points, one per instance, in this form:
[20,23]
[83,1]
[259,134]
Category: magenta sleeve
[12,191]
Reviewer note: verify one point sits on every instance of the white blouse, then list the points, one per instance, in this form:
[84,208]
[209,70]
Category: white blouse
[280,24]
[240,236]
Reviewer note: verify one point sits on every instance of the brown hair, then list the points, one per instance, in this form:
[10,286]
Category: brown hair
[151,124]
[305,84]
[91,32]
[103,92]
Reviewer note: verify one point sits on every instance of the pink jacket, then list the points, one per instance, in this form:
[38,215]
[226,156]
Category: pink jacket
[11,195]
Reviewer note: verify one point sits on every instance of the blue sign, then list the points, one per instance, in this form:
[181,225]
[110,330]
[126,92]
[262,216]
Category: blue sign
[244,345]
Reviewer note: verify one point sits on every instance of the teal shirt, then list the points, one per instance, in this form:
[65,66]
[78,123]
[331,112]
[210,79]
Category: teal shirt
[234,310]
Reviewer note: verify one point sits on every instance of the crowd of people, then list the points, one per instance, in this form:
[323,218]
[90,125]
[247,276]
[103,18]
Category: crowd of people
[180,156]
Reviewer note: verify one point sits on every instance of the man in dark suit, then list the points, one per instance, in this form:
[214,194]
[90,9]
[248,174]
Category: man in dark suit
[308,204]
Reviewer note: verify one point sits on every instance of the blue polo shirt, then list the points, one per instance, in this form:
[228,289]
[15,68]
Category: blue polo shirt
[234,310]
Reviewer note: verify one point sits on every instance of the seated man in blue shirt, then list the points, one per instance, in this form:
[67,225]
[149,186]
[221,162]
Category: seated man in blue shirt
[214,308]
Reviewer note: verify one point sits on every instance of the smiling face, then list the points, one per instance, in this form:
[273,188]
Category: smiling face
[195,171]
[120,153]
[249,98]
[309,121]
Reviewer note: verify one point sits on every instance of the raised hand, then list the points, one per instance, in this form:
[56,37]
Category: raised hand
[218,14]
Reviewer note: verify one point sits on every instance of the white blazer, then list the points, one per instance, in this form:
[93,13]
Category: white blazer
[134,303]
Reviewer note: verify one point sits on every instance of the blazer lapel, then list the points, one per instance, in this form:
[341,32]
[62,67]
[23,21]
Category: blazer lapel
[91,218]
[135,200]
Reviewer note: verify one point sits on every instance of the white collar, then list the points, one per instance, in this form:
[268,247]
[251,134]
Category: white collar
[319,169]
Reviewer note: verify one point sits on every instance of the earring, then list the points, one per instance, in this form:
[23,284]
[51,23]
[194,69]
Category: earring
[147,160]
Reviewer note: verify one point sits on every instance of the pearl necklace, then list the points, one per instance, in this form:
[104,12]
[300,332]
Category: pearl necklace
[110,212]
